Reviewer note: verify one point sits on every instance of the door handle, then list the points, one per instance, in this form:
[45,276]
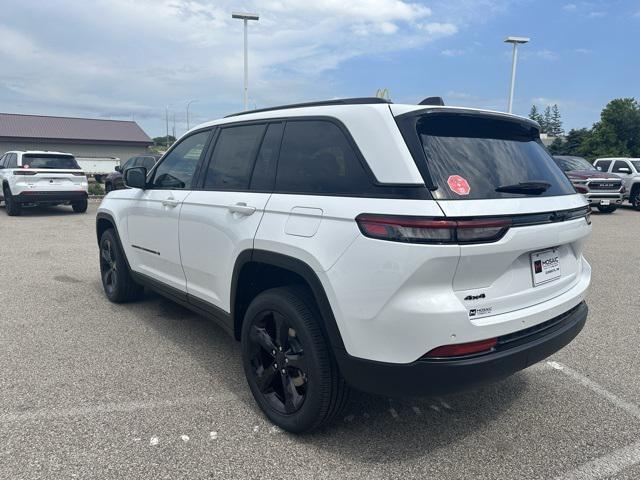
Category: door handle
[241,208]
[170,202]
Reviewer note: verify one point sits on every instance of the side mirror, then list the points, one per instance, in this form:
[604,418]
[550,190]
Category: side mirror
[118,168]
[624,170]
[135,177]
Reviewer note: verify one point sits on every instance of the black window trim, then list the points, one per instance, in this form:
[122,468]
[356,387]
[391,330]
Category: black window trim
[196,173]
[407,191]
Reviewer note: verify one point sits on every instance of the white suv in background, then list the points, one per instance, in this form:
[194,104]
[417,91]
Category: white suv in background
[41,178]
[629,170]
[397,249]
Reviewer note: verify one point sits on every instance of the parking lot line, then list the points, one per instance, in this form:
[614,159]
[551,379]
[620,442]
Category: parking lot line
[615,461]
[606,465]
[50,413]
[629,407]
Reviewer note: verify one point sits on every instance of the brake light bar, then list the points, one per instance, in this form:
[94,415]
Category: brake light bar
[24,172]
[432,230]
[462,349]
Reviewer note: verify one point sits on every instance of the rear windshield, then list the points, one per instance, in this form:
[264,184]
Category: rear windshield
[469,157]
[573,163]
[65,162]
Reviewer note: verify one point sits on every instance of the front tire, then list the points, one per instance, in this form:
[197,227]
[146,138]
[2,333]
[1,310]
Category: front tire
[12,207]
[117,282]
[607,208]
[288,364]
[81,206]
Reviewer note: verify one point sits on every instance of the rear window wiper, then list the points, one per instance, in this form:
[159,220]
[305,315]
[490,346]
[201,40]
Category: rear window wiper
[528,188]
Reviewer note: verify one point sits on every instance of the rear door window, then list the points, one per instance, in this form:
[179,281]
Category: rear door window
[317,158]
[476,157]
[48,161]
[233,157]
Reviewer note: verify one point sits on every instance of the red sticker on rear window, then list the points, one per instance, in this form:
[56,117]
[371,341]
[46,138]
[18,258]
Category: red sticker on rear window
[458,185]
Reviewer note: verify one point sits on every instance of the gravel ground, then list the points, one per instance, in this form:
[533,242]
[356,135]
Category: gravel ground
[89,389]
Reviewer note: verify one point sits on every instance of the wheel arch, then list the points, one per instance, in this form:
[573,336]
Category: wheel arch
[252,266]
[105,221]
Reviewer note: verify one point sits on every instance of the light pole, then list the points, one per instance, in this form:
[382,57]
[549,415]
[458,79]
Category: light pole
[245,17]
[515,41]
[188,105]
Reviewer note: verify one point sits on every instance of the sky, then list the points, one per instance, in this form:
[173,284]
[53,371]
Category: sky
[139,59]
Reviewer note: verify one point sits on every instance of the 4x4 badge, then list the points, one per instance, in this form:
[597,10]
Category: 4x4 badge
[475,297]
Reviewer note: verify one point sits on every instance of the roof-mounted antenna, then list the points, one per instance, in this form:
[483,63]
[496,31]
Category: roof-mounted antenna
[433,101]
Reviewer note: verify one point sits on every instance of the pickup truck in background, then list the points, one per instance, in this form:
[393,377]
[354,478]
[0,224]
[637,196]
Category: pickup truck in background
[629,170]
[602,190]
[98,167]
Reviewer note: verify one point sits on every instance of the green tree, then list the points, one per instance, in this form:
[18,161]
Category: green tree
[162,141]
[618,131]
[546,120]
[555,125]
[534,114]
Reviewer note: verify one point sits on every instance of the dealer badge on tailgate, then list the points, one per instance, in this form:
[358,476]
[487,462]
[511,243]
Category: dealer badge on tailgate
[545,266]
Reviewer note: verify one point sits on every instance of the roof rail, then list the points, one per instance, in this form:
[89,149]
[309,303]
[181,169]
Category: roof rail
[340,101]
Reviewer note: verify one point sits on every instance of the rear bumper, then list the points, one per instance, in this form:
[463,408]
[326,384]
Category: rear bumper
[427,377]
[52,196]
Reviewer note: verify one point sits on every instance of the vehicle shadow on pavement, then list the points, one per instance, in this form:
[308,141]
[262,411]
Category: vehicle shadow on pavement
[390,429]
[43,211]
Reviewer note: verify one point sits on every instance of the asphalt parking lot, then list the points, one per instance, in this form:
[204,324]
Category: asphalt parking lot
[89,389]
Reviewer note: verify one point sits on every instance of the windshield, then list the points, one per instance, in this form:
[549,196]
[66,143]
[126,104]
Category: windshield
[573,163]
[64,162]
[477,157]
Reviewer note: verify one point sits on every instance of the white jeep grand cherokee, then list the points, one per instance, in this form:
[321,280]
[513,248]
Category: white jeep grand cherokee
[41,178]
[397,249]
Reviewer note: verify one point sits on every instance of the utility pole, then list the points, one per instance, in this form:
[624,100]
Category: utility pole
[166,116]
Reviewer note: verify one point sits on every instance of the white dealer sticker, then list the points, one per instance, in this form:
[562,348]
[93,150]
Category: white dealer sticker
[545,266]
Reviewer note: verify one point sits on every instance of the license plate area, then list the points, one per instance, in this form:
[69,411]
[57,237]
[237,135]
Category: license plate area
[545,266]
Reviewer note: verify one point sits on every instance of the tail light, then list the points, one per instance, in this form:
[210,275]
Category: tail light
[432,230]
[77,174]
[581,189]
[24,172]
[462,349]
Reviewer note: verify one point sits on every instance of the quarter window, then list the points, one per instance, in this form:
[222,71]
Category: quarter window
[603,165]
[233,157]
[178,168]
[316,157]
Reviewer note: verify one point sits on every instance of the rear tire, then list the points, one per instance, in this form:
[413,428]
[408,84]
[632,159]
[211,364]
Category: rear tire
[117,282]
[289,366]
[81,206]
[607,208]
[12,207]
[635,198]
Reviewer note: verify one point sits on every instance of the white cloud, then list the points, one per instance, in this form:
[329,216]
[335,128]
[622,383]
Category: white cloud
[570,7]
[124,57]
[546,55]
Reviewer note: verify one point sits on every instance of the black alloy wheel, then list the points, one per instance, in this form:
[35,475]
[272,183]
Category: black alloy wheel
[288,362]
[108,266]
[278,362]
[117,281]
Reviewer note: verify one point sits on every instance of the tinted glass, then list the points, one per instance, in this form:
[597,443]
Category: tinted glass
[264,171]
[573,163]
[147,162]
[470,157]
[2,161]
[620,164]
[129,163]
[177,169]
[12,161]
[603,165]
[49,161]
[316,157]
[636,164]
[233,157]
